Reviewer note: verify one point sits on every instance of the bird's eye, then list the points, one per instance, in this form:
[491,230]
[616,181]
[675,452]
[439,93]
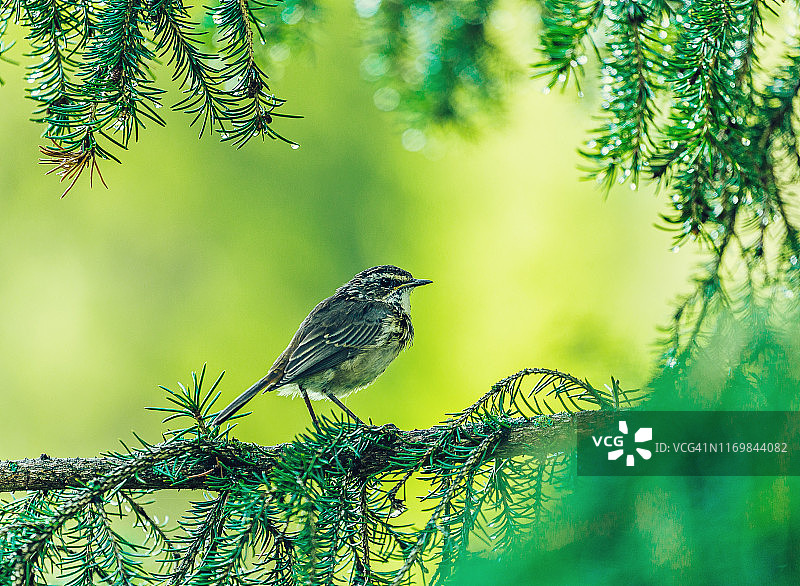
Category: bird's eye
[386,282]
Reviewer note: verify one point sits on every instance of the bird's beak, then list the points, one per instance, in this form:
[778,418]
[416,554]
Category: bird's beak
[418,282]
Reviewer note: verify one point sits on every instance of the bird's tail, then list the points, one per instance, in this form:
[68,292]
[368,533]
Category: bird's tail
[240,401]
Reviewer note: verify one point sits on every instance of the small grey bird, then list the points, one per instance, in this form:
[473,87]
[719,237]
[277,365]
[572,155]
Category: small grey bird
[344,343]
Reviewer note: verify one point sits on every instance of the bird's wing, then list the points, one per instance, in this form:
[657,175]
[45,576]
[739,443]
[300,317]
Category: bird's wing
[329,337]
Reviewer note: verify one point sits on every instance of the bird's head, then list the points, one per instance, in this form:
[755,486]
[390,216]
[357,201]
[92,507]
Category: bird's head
[385,283]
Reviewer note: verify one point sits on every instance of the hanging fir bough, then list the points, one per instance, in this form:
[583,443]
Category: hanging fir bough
[324,509]
[687,102]
[91,74]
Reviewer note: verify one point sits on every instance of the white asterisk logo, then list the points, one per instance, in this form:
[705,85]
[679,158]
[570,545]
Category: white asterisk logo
[643,434]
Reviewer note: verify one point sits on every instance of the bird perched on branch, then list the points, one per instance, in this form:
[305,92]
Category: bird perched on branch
[344,343]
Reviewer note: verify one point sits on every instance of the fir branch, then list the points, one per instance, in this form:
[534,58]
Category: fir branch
[444,496]
[177,38]
[95,90]
[114,556]
[724,149]
[202,526]
[250,106]
[115,96]
[77,565]
[631,73]
[751,202]
[115,75]
[30,539]
[703,119]
[241,519]
[565,28]
[56,31]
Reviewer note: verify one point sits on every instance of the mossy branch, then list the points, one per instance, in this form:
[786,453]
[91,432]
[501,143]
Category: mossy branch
[524,437]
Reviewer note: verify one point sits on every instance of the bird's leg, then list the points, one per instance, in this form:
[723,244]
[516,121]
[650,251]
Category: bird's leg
[336,400]
[308,404]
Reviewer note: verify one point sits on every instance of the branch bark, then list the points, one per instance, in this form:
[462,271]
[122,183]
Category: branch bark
[526,437]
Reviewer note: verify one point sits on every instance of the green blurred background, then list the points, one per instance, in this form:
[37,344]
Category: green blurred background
[201,253]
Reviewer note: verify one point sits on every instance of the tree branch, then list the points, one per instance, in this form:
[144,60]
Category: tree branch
[539,435]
